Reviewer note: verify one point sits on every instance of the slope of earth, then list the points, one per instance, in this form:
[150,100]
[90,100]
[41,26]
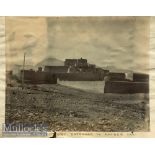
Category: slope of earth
[68,109]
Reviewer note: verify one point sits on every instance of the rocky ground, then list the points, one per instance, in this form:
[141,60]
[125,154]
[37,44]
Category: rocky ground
[67,109]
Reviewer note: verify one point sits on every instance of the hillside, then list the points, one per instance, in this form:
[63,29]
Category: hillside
[50,62]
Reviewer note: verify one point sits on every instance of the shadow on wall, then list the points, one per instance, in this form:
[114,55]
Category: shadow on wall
[125,87]
[37,77]
[139,84]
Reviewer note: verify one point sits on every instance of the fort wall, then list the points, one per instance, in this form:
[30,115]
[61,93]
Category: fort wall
[38,77]
[81,76]
[140,77]
[125,87]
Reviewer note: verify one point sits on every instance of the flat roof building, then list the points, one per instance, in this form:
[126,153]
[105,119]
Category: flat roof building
[76,62]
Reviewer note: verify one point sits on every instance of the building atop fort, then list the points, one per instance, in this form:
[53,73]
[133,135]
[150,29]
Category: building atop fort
[76,62]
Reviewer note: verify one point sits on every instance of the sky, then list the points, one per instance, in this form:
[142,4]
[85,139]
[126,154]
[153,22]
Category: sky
[121,42]
[105,41]
[25,35]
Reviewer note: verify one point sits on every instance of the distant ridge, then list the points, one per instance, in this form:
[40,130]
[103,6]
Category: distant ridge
[50,62]
[20,67]
[120,70]
[116,70]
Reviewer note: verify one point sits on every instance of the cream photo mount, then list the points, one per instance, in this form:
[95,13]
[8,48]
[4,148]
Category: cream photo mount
[149,134]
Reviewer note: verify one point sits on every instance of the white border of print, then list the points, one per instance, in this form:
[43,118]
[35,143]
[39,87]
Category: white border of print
[78,8]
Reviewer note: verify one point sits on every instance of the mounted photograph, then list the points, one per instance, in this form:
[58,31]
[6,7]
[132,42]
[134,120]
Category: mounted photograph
[79,75]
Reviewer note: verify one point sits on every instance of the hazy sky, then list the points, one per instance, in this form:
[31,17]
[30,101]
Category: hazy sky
[105,41]
[26,34]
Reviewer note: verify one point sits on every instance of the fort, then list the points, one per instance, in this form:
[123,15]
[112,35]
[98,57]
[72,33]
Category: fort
[73,70]
[81,70]
[77,70]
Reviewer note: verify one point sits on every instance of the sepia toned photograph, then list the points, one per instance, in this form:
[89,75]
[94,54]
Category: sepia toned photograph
[77,74]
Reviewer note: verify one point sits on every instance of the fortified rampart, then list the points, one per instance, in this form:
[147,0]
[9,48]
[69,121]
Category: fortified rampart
[140,77]
[116,76]
[36,77]
[126,87]
[82,76]
[80,70]
[56,69]
[77,70]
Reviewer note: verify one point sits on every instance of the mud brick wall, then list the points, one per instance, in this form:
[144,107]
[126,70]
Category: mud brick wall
[39,77]
[116,76]
[125,87]
[45,78]
[83,76]
[29,75]
[56,69]
[140,77]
